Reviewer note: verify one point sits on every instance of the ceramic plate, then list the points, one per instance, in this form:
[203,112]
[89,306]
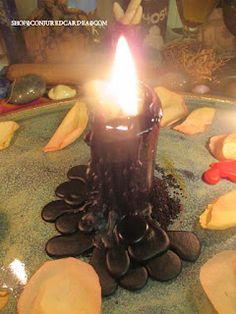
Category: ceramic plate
[28,178]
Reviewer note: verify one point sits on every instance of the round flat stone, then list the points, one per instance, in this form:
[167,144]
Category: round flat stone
[135,279]
[98,261]
[154,243]
[132,229]
[185,244]
[117,261]
[69,245]
[87,223]
[78,173]
[74,188]
[68,223]
[53,210]
[165,267]
[75,201]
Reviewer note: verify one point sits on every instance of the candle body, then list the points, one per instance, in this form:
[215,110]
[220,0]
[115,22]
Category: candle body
[122,157]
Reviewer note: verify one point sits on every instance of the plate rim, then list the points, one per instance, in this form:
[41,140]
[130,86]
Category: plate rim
[36,108]
[64,103]
[209,98]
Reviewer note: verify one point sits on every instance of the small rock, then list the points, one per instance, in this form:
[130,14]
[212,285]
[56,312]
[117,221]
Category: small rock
[68,223]
[26,89]
[87,222]
[61,92]
[117,261]
[154,243]
[165,267]
[98,261]
[185,244]
[135,279]
[69,245]
[78,173]
[53,210]
[75,188]
[132,229]
[201,89]
[74,201]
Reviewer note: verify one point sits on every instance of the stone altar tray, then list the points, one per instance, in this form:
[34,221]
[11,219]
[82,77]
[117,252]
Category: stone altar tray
[28,178]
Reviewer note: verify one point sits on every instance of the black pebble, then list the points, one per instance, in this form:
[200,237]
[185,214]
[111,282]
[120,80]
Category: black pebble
[154,243]
[117,261]
[68,223]
[98,261]
[69,245]
[78,173]
[87,223]
[75,201]
[74,188]
[132,229]
[53,210]
[185,244]
[135,279]
[165,267]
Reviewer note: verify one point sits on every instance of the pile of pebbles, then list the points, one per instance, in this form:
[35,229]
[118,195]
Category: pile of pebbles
[141,246]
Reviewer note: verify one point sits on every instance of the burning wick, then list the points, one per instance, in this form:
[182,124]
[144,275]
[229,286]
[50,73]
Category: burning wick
[124,79]
[121,95]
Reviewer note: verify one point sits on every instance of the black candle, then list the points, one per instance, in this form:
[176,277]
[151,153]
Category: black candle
[120,215]
[122,155]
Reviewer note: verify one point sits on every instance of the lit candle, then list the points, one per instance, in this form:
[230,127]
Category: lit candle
[123,145]
[124,79]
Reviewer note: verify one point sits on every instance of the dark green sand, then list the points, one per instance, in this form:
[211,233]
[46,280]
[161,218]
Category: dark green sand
[28,178]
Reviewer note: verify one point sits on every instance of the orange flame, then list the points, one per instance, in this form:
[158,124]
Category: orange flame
[124,79]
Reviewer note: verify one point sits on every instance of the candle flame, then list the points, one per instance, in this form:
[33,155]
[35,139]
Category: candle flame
[124,79]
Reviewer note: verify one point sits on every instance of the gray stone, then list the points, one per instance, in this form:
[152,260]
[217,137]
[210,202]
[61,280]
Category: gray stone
[26,89]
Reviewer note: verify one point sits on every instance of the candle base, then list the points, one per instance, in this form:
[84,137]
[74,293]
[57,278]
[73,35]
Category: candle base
[124,248]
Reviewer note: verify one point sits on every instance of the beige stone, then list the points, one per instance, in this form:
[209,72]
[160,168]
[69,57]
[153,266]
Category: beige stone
[218,279]
[62,286]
